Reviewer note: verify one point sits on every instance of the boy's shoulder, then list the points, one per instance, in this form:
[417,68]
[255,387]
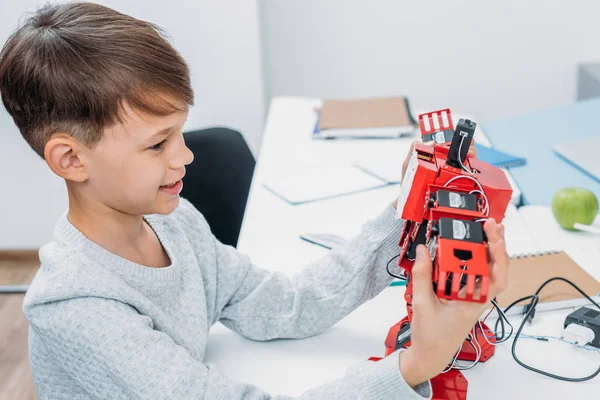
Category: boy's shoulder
[66,272]
[69,269]
[66,264]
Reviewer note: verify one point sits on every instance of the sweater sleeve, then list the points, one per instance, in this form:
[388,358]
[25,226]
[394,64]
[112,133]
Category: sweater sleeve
[264,305]
[111,351]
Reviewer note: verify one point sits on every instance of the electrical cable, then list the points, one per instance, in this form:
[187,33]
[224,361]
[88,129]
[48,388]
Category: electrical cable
[463,166]
[472,341]
[486,207]
[449,367]
[502,316]
[502,319]
[387,267]
[530,310]
[464,177]
[545,338]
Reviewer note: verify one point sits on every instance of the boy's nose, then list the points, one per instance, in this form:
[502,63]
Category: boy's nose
[189,156]
[183,157]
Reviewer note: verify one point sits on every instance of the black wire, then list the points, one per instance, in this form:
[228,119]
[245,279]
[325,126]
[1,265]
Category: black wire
[539,371]
[558,278]
[514,303]
[496,327]
[387,267]
[535,300]
[501,318]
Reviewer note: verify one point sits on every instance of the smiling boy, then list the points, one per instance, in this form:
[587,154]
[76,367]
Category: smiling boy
[133,279]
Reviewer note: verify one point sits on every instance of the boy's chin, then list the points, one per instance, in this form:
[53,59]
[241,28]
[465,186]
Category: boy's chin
[167,207]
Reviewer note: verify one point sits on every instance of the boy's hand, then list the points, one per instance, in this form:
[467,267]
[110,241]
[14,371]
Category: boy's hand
[472,153]
[439,326]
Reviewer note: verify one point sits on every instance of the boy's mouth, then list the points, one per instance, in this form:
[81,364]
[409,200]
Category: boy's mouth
[173,188]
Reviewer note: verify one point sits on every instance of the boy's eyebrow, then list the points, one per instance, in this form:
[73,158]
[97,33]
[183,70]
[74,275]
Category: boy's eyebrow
[162,132]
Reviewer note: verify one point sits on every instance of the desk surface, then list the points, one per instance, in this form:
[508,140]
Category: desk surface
[270,237]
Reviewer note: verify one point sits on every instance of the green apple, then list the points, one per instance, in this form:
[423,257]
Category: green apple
[574,205]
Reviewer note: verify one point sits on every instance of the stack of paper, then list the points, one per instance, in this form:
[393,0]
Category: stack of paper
[369,118]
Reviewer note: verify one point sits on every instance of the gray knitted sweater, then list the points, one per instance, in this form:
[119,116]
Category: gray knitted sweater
[103,327]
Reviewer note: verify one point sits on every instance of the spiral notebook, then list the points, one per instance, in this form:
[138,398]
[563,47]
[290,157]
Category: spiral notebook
[527,274]
[540,249]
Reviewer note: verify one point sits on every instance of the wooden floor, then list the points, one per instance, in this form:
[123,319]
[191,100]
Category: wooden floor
[15,375]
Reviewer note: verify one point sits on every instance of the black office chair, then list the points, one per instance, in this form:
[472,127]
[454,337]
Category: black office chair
[217,183]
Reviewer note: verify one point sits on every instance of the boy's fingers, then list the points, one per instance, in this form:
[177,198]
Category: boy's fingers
[412,145]
[495,233]
[421,275]
[499,253]
[491,230]
[472,152]
[499,259]
[500,263]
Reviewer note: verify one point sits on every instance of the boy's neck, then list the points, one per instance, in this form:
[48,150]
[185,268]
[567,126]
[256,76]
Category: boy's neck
[125,235]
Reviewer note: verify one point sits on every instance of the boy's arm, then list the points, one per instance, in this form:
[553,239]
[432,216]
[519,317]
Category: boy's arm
[264,305]
[112,351]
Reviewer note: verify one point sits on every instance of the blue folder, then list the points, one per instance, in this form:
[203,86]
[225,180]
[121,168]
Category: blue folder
[498,158]
[533,135]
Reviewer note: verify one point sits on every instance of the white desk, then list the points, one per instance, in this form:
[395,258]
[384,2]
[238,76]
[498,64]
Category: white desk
[270,237]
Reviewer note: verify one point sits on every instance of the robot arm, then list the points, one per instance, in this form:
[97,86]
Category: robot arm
[445,198]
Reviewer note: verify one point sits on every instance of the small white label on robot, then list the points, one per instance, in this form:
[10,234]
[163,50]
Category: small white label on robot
[459,229]
[440,137]
[456,200]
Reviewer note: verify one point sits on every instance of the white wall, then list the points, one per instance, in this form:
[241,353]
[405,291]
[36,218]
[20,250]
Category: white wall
[490,59]
[219,40]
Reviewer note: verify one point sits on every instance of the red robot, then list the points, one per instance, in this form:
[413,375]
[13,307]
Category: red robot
[445,198]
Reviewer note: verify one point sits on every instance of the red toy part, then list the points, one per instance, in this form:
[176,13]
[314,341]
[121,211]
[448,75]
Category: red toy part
[468,353]
[451,385]
[452,271]
[430,168]
[427,121]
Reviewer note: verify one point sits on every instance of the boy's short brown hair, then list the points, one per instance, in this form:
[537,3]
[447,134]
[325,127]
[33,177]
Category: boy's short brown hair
[69,68]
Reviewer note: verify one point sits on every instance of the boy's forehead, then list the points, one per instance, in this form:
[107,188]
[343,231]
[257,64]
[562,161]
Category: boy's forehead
[139,125]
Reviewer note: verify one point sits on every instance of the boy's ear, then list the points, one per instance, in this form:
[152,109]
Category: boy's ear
[63,155]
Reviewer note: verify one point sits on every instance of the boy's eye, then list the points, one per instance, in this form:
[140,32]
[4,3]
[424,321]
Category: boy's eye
[157,146]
